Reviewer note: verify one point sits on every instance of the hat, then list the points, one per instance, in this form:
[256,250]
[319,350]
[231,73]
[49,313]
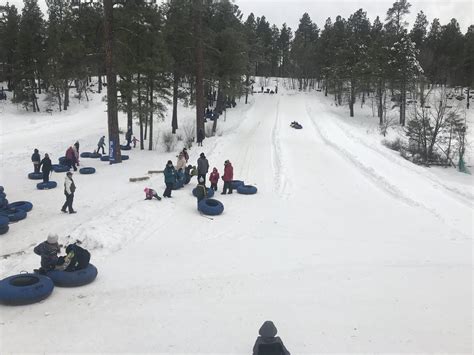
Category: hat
[169,162]
[145,189]
[202,155]
[69,173]
[185,148]
[227,162]
[52,238]
[201,179]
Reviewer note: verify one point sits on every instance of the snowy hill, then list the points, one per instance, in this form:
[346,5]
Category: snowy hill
[347,247]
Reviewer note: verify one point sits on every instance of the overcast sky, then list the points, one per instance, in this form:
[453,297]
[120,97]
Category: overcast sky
[279,11]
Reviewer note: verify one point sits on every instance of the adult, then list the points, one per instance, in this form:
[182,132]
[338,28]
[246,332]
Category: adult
[36,159]
[71,158]
[75,148]
[101,144]
[181,163]
[228,177]
[268,342]
[185,154]
[48,250]
[46,167]
[128,137]
[69,189]
[170,178]
[202,167]
[200,137]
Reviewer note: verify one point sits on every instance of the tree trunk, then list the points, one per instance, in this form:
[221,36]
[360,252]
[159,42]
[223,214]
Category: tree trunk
[58,94]
[66,94]
[140,115]
[129,104]
[112,114]
[100,82]
[352,99]
[403,103]
[199,66]
[150,139]
[174,120]
[380,102]
[147,104]
[247,83]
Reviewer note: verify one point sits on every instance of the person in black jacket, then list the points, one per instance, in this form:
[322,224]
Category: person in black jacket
[200,137]
[36,159]
[46,167]
[78,257]
[268,343]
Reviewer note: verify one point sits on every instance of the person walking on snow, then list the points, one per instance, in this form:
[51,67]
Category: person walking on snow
[36,159]
[202,167]
[46,167]
[268,342]
[71,158]
[48,250]
[101,145]
[200,137]
[134,141]
[75,148]
[170,178]
[69,189]
[201,190]
[150,193]
[227,177]
[214,178]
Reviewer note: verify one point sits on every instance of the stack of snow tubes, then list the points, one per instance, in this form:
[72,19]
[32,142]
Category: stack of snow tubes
[242,188]
[11,212]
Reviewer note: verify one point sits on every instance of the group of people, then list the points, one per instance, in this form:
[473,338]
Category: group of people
[44,164]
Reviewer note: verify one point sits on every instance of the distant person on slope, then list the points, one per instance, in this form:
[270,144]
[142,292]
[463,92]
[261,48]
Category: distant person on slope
[101,144]
[200,137]
[46,167]
[69,189]
[214,179]
[150,193]
[36,159]
[71,158]
[268,343]
[202,167]
[170,178]
[228,177]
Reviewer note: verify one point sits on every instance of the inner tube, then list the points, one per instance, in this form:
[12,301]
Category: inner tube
[125,157]
[104,158]
[4,220]
[73,278]
[13,214]
[87,170]
[62,160]
[25,289]
[210,192]
[58,168]
[247,190]
[210,207]
[86,154]
[236,184]
[46,185]
[124,147]
[35,176]
[21,205]
[4,229]
[95,155]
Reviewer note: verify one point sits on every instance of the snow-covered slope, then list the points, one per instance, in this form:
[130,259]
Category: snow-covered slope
[346,247]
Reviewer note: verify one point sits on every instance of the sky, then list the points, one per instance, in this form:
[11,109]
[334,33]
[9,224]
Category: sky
[290,11]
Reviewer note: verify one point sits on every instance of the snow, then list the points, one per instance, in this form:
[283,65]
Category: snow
[347,247]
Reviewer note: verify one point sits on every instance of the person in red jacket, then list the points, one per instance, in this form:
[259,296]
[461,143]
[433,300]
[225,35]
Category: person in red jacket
[228,177]
[214,178]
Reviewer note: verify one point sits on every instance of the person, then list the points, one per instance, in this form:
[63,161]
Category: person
[268,342]
[101,145]
[214,178]
[36,159]
[135,141]
[48,250]
[75,148]
[128,137]
[185,154]
[150,193]
[180,175]
[228,177]
[202,166]
[201,190]
[181,163]
[200,137]
[76,145]
[77,258]
[71,158]
[188,173]
[170,178]
[46,167]
[69,189]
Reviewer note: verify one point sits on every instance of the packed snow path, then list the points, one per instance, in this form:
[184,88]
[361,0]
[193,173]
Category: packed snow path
[346,246]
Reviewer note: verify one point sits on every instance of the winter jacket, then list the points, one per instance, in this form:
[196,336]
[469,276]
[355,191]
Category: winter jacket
[200,136]
[186,155]
[46,165]
[214,177]
[267,342]
[203,166]
[149,194]
[228,172]
[101,142]
[35,158]
[76,153]
[49,254]
[170,174]
[70,154]
[181,163]
[201,192]
[80,257]
[69,186]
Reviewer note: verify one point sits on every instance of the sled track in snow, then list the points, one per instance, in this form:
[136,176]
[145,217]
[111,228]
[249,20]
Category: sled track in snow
[280,180]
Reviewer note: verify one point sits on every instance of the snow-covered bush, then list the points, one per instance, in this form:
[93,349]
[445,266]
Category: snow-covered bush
[168,141]
[397,144]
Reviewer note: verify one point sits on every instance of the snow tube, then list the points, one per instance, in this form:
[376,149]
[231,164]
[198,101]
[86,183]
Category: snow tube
[25,289]
[73,278]
[86,154]
[104,158]
[4,221]
[1,189]
[125,157]
[236,184]
[46,185]
[21,205]
[178,184]
[86,171]
[4,204]
[58,168]
[13,214]
[2,195]
[4,229]
[95,155]
[62,160]
[247,190]
[35,176]
[210,207]
[210,192]
[124,147]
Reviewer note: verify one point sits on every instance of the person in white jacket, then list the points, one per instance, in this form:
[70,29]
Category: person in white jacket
[69,189]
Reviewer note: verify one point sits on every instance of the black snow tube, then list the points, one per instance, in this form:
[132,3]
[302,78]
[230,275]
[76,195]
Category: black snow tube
[86,154]
[210,192]
[58,168]
[104,158]
[236,184]
[62,160]
[125,157]
[210,207]
[86,171]
[21,205]
[95,155]
[178,184]
[13,214]
[35,176]
[25,289]
[73,278]
[247,190]
[124,147]
[4,221]
[46,185]
[4,229]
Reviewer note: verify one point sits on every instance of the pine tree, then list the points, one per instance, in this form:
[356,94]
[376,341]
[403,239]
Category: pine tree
[9,28]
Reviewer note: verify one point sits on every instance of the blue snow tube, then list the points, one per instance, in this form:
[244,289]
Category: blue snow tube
[104,158]
[25,289]
[4,229]
[178,184]
[62,160]
[236,183]
[95,155]
[73,278]
[58,168]
[1,189]
[210,207]
[21,205]
[3,204]
[86,170]
[210,192]
[2,195]
[13,214]
[125,157]
[86,154]
[124,147]
[247,190]
[35,176]
[46,185]
[4,221]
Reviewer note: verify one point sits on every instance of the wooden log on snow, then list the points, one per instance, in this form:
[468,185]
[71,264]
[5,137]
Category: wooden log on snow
[155,171]
[142,178]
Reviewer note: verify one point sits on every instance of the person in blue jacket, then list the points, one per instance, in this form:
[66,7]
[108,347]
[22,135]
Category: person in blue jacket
[170,178]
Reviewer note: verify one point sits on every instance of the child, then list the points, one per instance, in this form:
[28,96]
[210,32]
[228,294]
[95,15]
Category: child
[214,178]
[150,193]
[201,190]
[48,250]
[135,141]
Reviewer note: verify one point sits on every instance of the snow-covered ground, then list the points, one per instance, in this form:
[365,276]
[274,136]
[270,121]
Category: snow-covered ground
[347,247]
